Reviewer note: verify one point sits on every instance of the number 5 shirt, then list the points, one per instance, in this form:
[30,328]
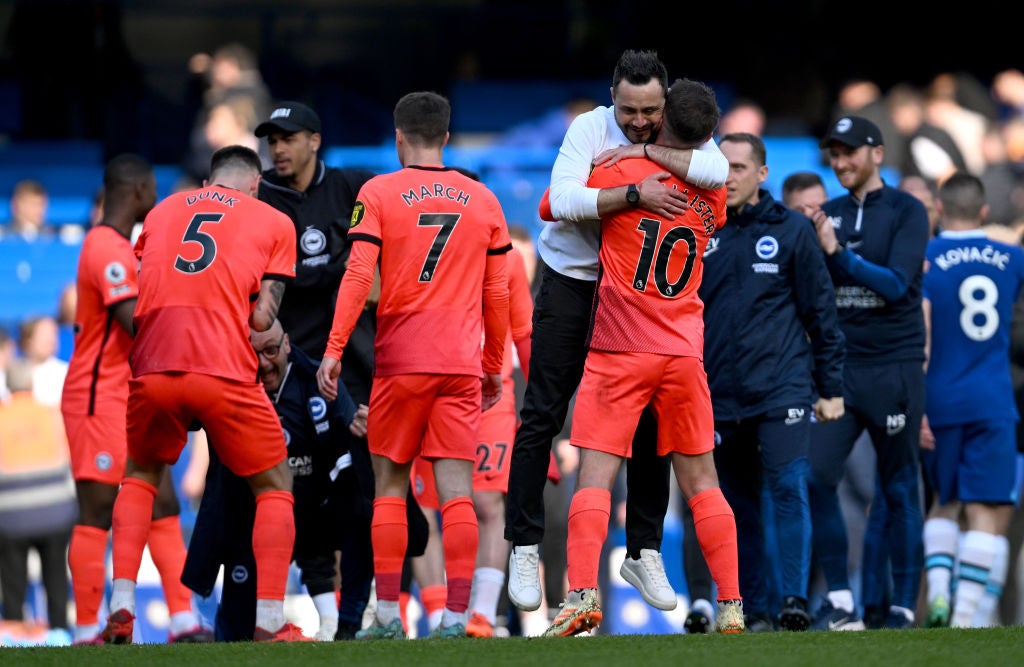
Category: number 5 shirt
[203,254]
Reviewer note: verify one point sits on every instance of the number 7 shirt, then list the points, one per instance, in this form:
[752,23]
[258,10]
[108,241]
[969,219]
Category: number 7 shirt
[650,269]
[440,238]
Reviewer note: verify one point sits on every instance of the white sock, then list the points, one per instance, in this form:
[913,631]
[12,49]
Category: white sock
[270,614]
[89,631]
[986,614]
[842,599]
[487,585]
[450,618]
[940,549]
[328,628]
[976,557]
[122,596]
[387,611]
[326,606]
[183,621]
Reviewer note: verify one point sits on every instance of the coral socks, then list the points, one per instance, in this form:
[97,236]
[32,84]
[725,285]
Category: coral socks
[273,538]
[460,537]
[87,557]
[715,526]
[390,535]
[589,512]
[167,549]
[133,513]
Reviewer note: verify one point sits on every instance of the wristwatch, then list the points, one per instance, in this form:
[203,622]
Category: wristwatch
[632,194]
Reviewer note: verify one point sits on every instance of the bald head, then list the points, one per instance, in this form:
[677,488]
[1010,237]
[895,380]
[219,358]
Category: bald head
[270,336]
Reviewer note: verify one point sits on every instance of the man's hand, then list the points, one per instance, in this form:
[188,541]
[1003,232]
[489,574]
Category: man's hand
[927,438]
[491,386]
[609,157]
[660,200]
[826,232]
[358,425]
[327,377]
[829,409]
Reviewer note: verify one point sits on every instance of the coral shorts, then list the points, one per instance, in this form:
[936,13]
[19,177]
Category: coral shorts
[617,386]
[99,451]
[434,416]
[238,417]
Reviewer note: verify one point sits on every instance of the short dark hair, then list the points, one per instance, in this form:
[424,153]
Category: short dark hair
[757,149]
[125,171]
[691,111]
[235,158]
[423,117]
[962,196]
[799,181]
[639,67]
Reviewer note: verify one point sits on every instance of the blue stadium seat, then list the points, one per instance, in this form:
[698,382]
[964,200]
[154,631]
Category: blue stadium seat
[52,152]
[32,275]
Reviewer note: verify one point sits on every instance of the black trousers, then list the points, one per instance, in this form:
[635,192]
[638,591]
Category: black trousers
[53,557]
[561,321]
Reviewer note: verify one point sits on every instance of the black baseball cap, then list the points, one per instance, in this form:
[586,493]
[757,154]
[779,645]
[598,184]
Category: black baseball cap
[289,117]
[854,132]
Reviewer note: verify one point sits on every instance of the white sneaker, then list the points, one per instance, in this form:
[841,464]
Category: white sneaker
[326,631]
[647,575]
[523,577]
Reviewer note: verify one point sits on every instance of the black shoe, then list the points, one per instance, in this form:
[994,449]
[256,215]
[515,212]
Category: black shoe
[897,620]
[875,616]
[759,622]
[697,623]
[794,615]
[346,630]
[834,618]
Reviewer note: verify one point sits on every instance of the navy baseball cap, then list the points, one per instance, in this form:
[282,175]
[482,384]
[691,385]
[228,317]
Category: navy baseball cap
[853,131]
[289,117]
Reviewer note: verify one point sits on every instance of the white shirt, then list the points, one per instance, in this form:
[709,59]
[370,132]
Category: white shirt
[571,248]
[48,381]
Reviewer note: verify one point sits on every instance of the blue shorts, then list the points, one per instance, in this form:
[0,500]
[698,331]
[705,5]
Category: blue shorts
[974,462]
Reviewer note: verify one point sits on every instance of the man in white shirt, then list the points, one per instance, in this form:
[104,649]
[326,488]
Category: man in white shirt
[568,249]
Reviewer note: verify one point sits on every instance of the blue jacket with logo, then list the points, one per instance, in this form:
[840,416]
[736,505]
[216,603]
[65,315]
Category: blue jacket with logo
[771,335]
[878,274]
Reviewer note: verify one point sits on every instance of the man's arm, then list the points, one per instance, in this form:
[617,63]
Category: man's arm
[495,299]
[706,166]
[355,286]
[124,313]
[267,304]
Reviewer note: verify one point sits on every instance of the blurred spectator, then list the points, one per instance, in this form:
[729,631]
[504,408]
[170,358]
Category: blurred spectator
[965,125]
[925,191]
[1003,177]
[39,343]
[230,72]
[745,115]
[29,203]
[1008,91]
[928,151]
[548,130]
[804,191]
[230,122]
[37,499]
[863,97]
[7,353]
